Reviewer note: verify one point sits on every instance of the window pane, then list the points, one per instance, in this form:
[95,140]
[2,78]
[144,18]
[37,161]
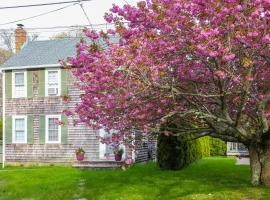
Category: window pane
[19,130]
[19,79]
[53,130]
[53,77]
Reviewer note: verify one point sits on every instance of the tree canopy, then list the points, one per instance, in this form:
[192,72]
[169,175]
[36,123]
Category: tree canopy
[203,65]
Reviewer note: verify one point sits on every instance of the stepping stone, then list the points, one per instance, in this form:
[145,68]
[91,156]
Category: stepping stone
[242,161]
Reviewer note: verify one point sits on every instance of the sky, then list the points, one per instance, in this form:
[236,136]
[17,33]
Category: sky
[70,16]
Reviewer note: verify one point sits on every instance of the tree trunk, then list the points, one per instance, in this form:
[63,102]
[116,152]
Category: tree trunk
[260,163]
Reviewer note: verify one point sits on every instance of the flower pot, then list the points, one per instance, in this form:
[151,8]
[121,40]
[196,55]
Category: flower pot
[80,157]
[118,157]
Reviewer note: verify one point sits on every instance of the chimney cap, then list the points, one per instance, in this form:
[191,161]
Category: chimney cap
[20,25]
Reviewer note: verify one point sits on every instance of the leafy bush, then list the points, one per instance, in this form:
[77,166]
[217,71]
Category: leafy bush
[1,129]
[174,153]
[217,147]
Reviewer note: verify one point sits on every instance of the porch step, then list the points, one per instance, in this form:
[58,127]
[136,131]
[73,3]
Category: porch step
[106,164]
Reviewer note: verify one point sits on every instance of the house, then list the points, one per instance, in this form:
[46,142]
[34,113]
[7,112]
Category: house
[236,149]
[34,84]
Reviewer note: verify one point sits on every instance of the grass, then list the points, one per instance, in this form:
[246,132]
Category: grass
[210,178]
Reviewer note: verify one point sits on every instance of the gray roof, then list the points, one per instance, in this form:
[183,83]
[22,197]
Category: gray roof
[47,52]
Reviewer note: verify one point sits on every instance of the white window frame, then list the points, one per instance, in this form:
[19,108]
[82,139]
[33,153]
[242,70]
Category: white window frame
[47,130]
[13,129]
[47,84]
[102,147]
[14,95]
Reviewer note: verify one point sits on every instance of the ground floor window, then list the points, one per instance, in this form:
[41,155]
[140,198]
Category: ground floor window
[19,129]
[53,129]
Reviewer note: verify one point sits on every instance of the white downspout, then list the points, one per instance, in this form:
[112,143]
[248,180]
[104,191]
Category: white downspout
[4,118]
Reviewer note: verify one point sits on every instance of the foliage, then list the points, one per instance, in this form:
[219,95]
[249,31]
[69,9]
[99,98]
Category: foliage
[1,129]
[174,153]
[4,55]
[211,179]
[119,151]
[80,150]
[203,65]
[217,147]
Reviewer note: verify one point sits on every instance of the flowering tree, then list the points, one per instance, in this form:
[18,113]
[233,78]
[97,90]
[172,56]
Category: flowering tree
[202,65]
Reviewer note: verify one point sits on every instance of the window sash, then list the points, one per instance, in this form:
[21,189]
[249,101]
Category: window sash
[19,84]
[19,130]
[53,80]
[53,130]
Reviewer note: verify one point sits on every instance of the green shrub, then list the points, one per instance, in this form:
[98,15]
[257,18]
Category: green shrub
[174,153]
[217,147]
[170,152]
[1,129]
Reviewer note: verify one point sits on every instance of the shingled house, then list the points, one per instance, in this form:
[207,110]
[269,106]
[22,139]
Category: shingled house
[34,84]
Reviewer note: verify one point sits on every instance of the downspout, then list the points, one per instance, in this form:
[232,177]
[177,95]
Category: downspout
[4,117]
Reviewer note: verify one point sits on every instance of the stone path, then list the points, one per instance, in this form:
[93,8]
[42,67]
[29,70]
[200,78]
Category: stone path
[242,161]
[81,187]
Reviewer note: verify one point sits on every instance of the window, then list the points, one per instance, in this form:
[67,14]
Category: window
[53,130]
[53,82]
[19,84]
[19,129]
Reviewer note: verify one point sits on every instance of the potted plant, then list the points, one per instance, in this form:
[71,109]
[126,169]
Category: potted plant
[118,154]
[80,154]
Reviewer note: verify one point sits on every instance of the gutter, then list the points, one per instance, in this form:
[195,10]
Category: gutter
[31,67]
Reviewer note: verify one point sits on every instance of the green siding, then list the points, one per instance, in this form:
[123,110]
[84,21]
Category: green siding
[64,81]
[29,84]
[42,83]
[8,84]
[64,129]
[42,129]
[8,129]
[30,130]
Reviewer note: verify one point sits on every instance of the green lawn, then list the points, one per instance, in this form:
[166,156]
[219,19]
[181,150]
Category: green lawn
[210,178]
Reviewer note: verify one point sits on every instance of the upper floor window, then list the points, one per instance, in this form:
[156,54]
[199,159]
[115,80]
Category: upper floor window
[53,129]
[19,84]
[52,82]
[19,129]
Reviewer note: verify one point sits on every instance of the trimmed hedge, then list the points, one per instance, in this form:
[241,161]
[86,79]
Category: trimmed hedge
[217,147]
[174,153]
[1,129]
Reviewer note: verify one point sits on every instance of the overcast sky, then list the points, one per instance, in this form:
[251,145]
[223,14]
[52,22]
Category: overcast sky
[72,15]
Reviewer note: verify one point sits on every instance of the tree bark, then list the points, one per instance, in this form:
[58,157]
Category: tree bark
[260,163]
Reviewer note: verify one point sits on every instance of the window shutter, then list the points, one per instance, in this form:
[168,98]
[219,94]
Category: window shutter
[64,130]
[29,84]
[42,83]
[8,84]
[8,129]
[64,81]
[29,129]
[42,129]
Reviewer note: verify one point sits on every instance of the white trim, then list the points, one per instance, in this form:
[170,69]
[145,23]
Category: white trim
[4,120]
[32,66]
[13,83]
[102,147]
[46,130]
[14,117]
[59,81]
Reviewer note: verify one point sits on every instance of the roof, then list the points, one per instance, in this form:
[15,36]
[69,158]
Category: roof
[40,53]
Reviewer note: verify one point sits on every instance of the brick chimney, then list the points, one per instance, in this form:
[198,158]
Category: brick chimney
[20,37]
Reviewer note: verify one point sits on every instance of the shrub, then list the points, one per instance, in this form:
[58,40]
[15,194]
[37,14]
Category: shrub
[174,153]
[1,129]
[217,147]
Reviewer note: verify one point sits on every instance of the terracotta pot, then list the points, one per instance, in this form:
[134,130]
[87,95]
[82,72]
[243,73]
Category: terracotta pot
[80,156]
[118,157]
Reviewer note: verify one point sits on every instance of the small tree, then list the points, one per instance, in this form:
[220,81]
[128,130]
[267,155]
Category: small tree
[202,65]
